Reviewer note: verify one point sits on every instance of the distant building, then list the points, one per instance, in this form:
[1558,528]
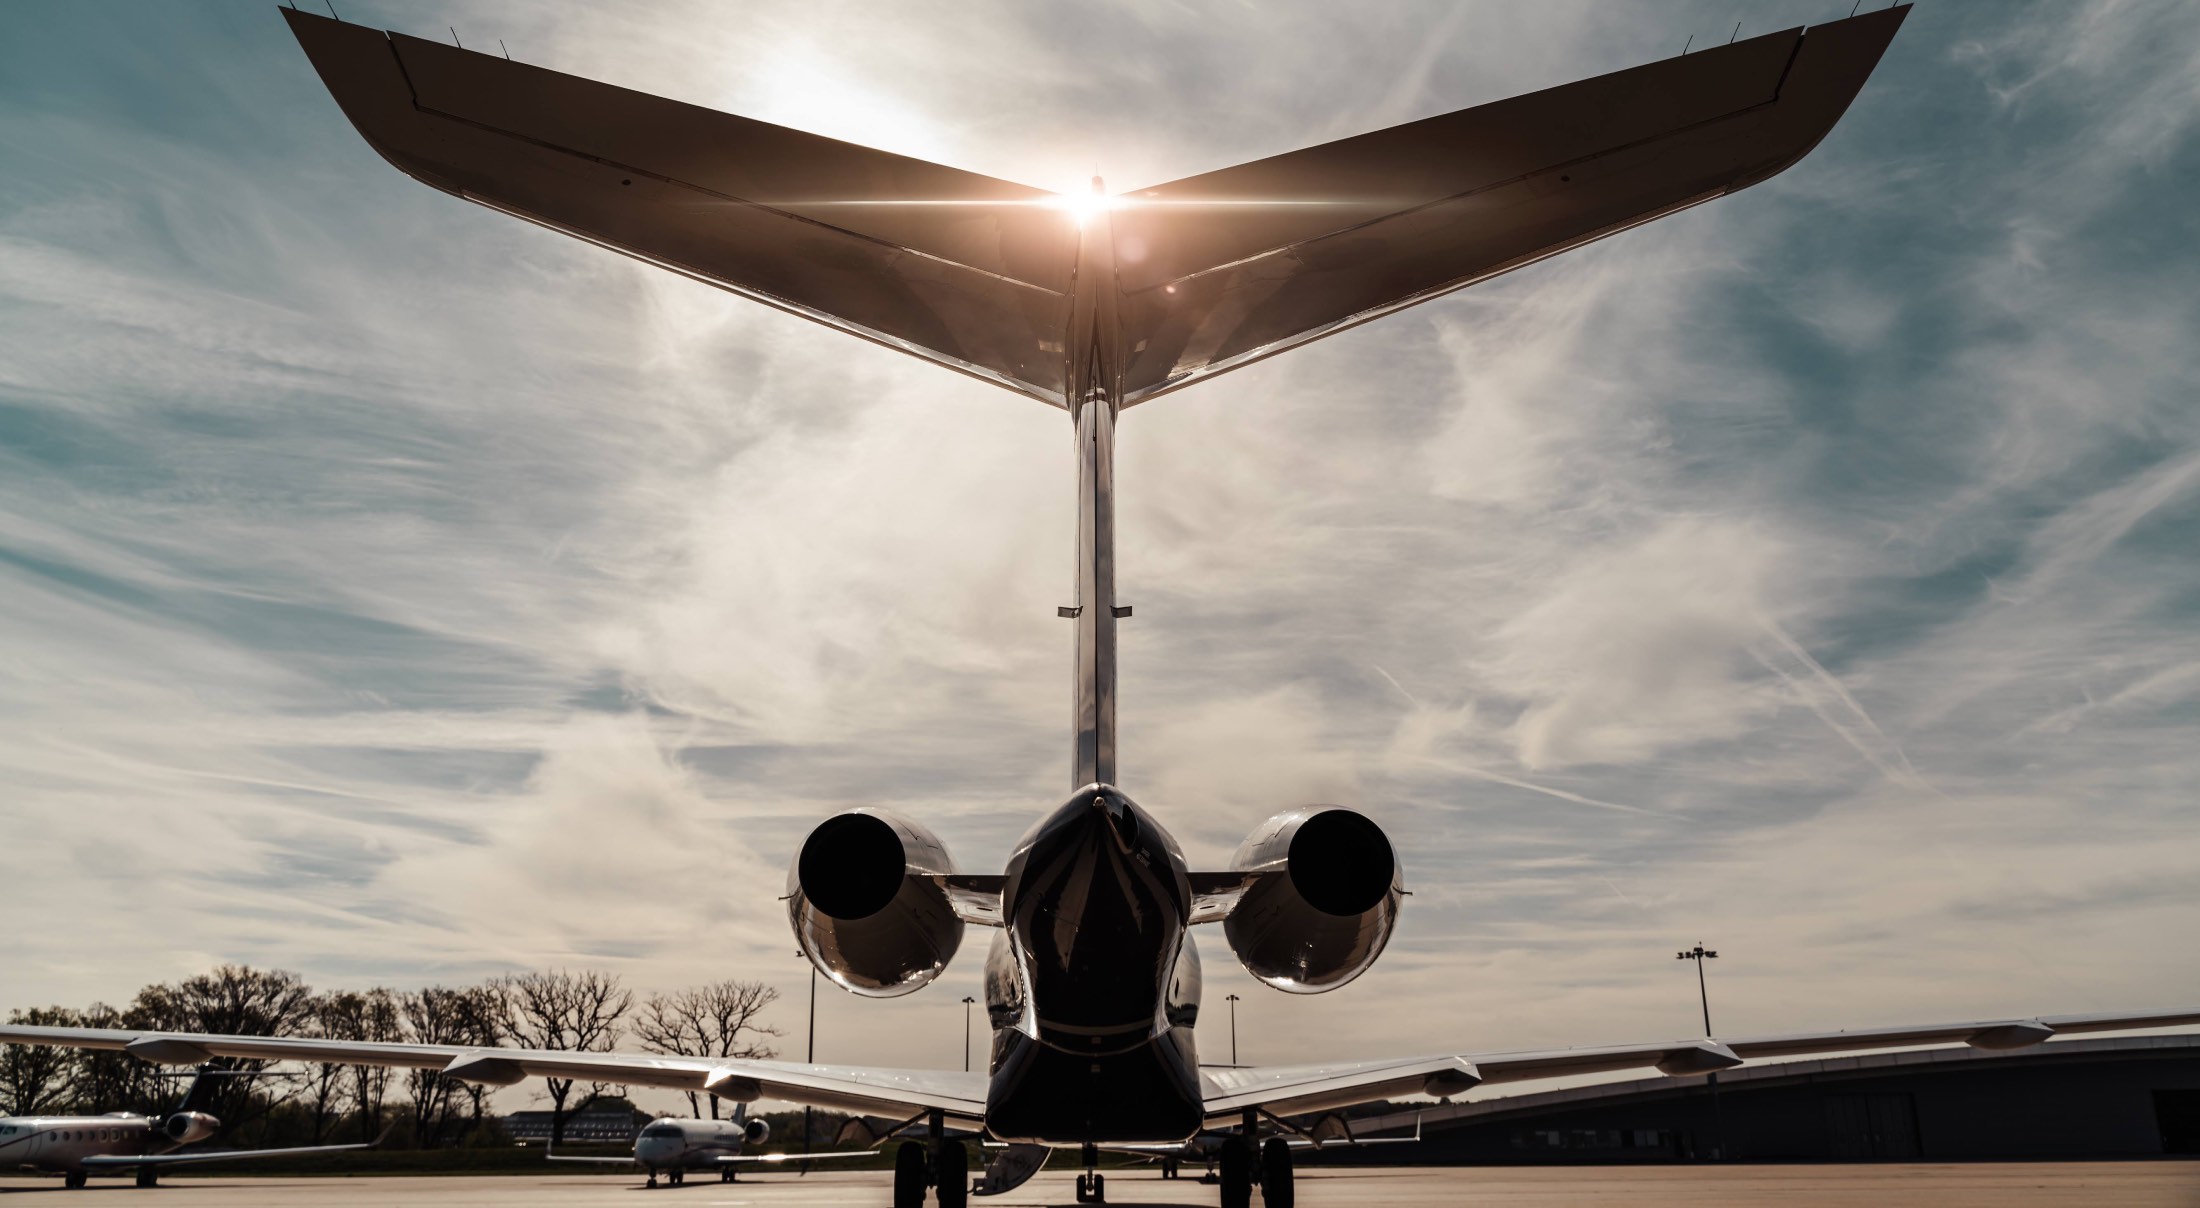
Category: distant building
[616,1127]
[2124,1097]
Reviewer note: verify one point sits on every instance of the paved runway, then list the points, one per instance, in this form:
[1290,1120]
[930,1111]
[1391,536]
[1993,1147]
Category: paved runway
[2167,1184]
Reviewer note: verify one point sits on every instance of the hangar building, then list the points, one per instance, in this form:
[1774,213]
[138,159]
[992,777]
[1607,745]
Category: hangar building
[2136,1096]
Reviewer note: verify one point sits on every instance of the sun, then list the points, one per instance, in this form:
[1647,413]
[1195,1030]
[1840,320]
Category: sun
[1083,206]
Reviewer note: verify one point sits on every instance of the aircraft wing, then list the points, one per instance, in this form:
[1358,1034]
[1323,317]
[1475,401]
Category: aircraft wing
[841,1087]
[190,1157]
[1292,1090]
[961,269]
[1225,268]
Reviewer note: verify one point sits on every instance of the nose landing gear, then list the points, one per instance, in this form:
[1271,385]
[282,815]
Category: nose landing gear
[1092,1186]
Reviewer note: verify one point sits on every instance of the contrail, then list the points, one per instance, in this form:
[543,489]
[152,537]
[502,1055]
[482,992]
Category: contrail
[1561,794]
[1828,679]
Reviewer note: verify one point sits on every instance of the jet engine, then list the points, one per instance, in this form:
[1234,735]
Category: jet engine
[755,1132]
[184,1128]
[867,906]
[1325,910]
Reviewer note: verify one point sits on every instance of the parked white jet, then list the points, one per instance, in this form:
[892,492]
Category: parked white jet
[77,1147]
[674,1145]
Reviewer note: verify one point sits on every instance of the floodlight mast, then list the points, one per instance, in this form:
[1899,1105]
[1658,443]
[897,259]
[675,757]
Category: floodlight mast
[1700,954]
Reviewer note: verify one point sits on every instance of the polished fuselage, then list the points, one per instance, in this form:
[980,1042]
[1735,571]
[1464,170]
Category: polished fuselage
[1093,984]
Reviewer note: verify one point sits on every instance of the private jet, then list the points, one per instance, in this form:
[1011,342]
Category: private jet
[672,1146]
[1094,303]
[78,1147]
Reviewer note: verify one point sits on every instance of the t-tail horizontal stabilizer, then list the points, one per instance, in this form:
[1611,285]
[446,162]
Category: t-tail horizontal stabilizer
[1203,274]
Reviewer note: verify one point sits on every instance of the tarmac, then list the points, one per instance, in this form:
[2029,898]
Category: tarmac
[2142,1184]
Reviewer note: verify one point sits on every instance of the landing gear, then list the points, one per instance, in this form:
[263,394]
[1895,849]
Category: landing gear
[911,1173]
[148,1176]
[1168,1168]
[1237,1172]
[652,1183]
[951,1175]
[74,1180]
[676,1177]
[1092,1188]
[726,1175]
[1276,1190]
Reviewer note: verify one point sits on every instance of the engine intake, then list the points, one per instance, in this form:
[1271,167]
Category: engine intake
[1328,910]
[755,1132]
[865,908]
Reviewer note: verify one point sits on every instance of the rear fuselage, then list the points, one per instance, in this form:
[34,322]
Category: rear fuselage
[1092,987]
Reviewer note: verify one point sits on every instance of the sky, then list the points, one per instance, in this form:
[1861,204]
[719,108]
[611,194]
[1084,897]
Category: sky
[395,593]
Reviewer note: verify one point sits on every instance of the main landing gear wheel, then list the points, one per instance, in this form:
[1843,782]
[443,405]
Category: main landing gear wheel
[74,1180]
[1168,1168]
[911,1173]
[148,1177]
[1276,1190]
[1237,1172]
[1092,1188]
[677,1177]
[951,1175]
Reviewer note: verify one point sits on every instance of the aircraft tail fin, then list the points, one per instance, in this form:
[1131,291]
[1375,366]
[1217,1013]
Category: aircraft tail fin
[205,1088]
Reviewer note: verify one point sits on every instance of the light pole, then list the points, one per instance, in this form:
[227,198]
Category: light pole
[1232,999]
[967,1000]
[812,1057]
[1700,954]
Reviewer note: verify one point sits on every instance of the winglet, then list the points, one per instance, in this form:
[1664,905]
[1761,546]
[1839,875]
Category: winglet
[2022,1034]
[1703,1057]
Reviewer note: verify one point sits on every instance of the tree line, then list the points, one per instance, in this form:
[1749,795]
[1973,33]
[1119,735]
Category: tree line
[307,1103]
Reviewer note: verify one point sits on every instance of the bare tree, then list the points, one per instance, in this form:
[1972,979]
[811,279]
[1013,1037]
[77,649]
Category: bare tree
[109,1080]
[442,1015]
[34,1078]
[713,1020]
[567,1011]
[364,1015]
[233,1000]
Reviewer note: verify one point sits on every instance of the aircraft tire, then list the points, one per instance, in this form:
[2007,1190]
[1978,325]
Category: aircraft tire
[74,1180]
[1099,1188]
[1237,1172]
[147,1176]
[1168,1168]
[1084,1187]
[1276,1190]
[951,1176]
[677,1177]
[911,1173]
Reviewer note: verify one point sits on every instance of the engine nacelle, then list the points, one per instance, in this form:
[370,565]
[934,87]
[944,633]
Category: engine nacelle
[755,1132]
[865,908]
[184,1128]
[1325,917]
